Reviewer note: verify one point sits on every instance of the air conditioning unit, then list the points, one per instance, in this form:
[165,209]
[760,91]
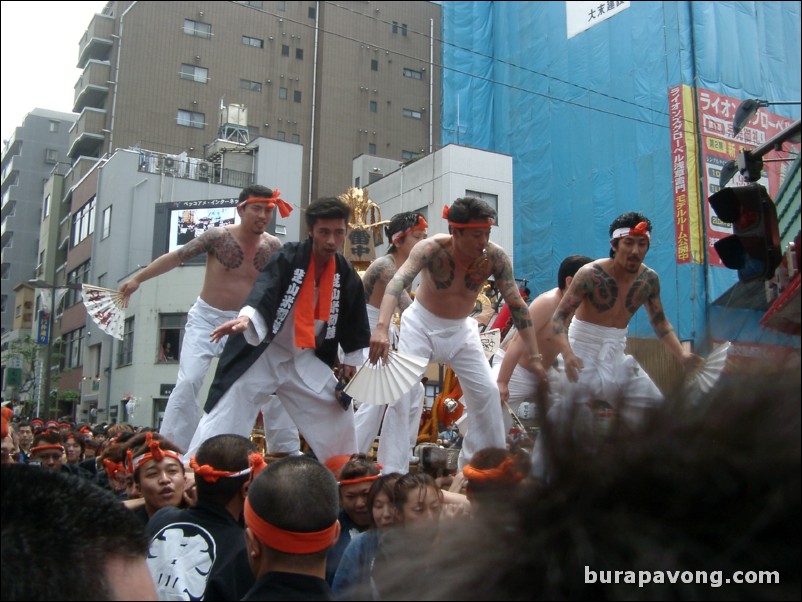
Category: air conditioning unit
[168,165]
[204,170]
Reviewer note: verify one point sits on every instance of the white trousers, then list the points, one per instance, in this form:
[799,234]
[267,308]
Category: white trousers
[184,409]
[453,342]
[304,387]
[368,417]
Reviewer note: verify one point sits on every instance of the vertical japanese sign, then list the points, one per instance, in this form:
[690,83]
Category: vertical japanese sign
[685,176]
[43,328]
[720,146]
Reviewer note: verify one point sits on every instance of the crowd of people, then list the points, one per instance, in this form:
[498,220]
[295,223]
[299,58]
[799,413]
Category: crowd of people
[700,491]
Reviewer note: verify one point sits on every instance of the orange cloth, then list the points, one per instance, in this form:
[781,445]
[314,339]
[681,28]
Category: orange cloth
[306,312]
[289,542]
[284,208]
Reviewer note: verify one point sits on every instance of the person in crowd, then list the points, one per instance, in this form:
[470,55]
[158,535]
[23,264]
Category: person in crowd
[404,231]
[74,447]
[66,539]
[453,269]
[24,440]
[291,518]
[307,302]
[235,254]
[449,436]
[48,451]
[492,479]
[192,547]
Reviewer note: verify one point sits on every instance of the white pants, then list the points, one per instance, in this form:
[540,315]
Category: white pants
[368,417]
[304,386]
[183,412]
[453,342]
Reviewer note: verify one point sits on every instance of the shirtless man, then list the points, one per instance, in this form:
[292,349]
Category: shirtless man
[605,295]
[453,269]
[515,382]
[404,231]
[234,257]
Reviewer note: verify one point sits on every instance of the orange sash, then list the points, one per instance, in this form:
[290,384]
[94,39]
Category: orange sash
[305,310]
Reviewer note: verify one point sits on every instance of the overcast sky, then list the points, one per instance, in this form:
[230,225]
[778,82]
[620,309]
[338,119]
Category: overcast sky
[38,54]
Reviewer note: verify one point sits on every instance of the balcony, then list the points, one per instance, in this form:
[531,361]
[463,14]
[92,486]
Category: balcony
[97,41]
[92,88]
[80,167]
[86,134]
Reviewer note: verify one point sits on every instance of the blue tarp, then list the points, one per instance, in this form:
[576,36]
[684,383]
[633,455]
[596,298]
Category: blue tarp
[586,119]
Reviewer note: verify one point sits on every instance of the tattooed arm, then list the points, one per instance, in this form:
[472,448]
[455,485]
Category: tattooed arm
[506,285]
[167,262]
[662,327]
[581,287]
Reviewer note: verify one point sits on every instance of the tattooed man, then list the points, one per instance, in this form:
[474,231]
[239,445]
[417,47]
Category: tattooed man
[605,295]
[453,268]
[234,257]
[404,231]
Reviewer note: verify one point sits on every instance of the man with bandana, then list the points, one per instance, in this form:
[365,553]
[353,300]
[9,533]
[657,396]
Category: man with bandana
[307,302]
[235,255]
[453,269]
[605,294]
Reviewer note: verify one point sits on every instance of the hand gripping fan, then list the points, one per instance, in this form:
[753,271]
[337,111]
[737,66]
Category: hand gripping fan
[106,307]
[377,384]
[707,376]
[491,341]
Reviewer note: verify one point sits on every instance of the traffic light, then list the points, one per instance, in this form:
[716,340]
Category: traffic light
[754,247]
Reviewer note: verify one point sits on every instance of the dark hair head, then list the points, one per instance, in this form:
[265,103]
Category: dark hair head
[47,438]
[138,446]
[627,220]
[359,465]
[400,222]
[327,208]
[50,521]
[223,452]
[409,483]
[384,484]
[296,494]
[255,190]
[569,267]
[469,208]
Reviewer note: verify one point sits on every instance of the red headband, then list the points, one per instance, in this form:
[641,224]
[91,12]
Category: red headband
[48,446]
[419,225]
[156,453]
[112,468]
[360,480]
[503,473]
[641,229]
[289,542]
[211,475]
[284,208]
[460,226]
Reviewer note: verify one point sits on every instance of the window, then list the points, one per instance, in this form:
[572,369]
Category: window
[247,84]
[413,74]
[412,114]
[171,336]
[374,65]
[51,156]
[371,149]
[53,127]
[373,106]
[255,42]
[296,96]
[299,54]
[490,199]
[356,182]
[190,119]
[77,276]
[395,26]
[296,138]
[311,12]
[196,74]
[73,349]
[407,155]
[254,3]
[281,135]
[83,222]
[40,269]
[106,229]
[18,311]
[282,93]
[403,29]
[125,348]
[285,50]
[196,28]
[282,6]
[46,207]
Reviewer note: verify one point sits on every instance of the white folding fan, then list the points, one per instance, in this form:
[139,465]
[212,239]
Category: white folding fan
[707,376]
[106,307]
[491,341]
[379,383]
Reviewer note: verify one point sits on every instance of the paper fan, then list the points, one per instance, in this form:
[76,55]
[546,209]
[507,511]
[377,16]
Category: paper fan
[106,307]
[707,376]
[491,341]
[377,384]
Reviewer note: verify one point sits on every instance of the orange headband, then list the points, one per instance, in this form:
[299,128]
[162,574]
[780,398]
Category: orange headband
[289,542]
[112,468]
[360,480]
[284,208]
[641,229]
[420,225]
[156,453]
[460,226]
[503,473]
[45,447]
[211,475]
